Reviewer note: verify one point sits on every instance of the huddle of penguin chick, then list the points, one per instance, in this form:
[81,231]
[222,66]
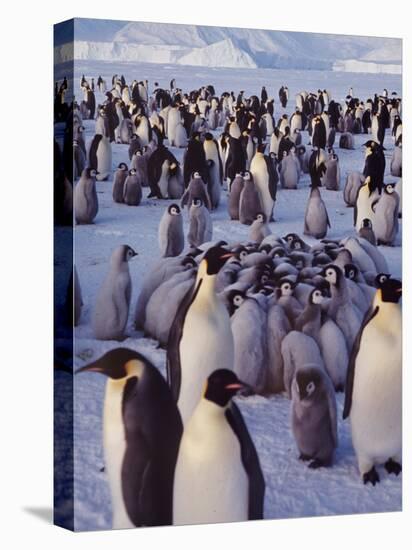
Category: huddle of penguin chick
[291,306]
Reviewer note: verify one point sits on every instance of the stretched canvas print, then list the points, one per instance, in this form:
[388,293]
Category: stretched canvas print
[228,207]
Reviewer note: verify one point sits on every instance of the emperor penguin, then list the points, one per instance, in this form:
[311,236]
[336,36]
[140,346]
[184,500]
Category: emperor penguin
[171,236]
[289,172]
[218,476]
[132,191]
[200,337]
[366,231]
[85,200]
[196,190]
[396,162]
[354,180]
[249,202]
[386,216]
[200,224]
[316,216]
[113,299]
[118,184]
[248,322]
[373,394]
[233,201]
[265,181]
[366,201]
[331,179]
[100,156]
[215,171]
[340,307]
[314,416]
[142,430]
[259,228]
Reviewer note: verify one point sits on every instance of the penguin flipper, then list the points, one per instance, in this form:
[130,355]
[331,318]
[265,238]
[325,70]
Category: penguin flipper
[250,462]
[350,376]
[173,344]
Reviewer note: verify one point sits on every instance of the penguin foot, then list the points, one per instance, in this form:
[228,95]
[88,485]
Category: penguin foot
[102,469]
[371,477]
[340,388]
[393,467]
[316,463]
[304,457]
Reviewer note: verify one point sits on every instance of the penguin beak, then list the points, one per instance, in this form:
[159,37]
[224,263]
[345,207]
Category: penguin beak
[93,367]
[227,255]
[240,388]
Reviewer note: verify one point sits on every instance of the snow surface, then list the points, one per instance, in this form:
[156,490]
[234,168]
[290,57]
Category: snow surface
[235,47]
[292,490]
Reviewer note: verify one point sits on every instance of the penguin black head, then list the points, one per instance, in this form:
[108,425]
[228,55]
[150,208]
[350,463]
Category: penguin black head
[215,259]
[235,299]
[316,296]
[333,274]
[197,202]
[351,271]
[128,253]
[208,136]
[174,209]
[307,382]
[122,166]
[389,188]
[116,364]
[286,287]
[366,222]
[390,290]
[260,217]
[381,278]
[188,261]
[222,385]
[132,172]
[91,172]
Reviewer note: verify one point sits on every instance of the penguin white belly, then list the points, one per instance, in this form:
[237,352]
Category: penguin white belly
[114,449]
[260,176]
[376,412]
[206,345]
[364,208]
[210,483]
[163,182]
[104,159]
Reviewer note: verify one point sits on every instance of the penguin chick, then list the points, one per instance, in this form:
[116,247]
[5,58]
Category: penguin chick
[218,475]
[386,223]
[142,431]
[309,321]
[132,192]
[113,300]
[366,231]
[373,393]
[85,200]
[200,224]
[118,184]
[248,323]
[316,216]
[314,418]
[171,236]
[259,228]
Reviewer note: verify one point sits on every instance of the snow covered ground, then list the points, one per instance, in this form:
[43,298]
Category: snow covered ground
[292,490]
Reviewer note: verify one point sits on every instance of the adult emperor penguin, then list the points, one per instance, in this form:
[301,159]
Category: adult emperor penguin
[118,184]
[386,216]
[218,476]
[171,236]
[85,200]
[100,156]
[314,417]
[113,300]
[215,171]
[200,337]
[366,200]
[373,394]
[233,201]
[265,180]
[141,436]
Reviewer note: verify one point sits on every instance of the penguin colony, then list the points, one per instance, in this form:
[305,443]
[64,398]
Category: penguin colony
[269,314]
